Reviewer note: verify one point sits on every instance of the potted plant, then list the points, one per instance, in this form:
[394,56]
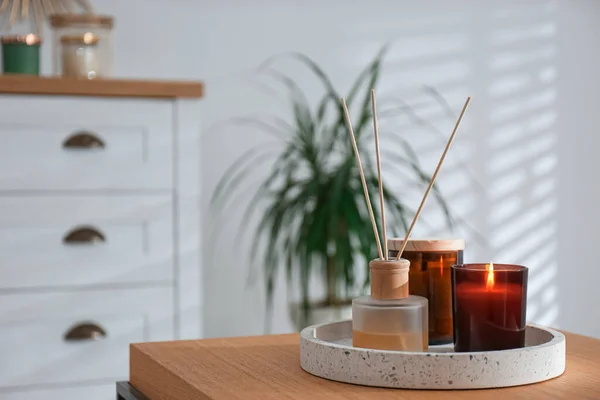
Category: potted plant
[313,218]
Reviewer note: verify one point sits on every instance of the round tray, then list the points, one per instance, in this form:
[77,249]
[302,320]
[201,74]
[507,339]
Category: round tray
[326,351]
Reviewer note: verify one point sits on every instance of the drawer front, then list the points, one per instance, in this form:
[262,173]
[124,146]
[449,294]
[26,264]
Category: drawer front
[99,392]
[85,240]
[77,337]
[58,143]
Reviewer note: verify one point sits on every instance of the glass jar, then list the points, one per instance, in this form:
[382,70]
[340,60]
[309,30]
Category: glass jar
[430,277]
[82,45]
[490,306]
[21,54]
[79,56]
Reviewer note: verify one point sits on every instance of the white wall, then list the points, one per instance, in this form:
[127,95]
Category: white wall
[578,125]
[530,136]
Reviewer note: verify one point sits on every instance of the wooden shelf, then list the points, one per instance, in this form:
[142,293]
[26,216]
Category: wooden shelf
[58,86]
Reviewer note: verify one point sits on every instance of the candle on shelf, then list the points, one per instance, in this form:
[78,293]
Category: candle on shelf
[82,45]
[80,56]
[21,54]
[489,306]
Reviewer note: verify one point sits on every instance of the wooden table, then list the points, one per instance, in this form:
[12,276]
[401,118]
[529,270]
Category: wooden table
[268,367]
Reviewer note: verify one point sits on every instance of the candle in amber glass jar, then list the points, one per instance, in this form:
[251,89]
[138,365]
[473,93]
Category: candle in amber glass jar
[430,263]
[489,306]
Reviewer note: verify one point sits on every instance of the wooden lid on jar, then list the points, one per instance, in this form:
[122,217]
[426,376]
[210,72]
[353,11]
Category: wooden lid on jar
[91,20]
[29,40]
[389,279]
[427,245]
[87,39]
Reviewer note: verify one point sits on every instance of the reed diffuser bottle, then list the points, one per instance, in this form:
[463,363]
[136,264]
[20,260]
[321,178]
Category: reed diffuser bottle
[390,318]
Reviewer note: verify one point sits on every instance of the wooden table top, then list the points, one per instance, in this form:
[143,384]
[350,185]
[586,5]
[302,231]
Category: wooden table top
[268,367]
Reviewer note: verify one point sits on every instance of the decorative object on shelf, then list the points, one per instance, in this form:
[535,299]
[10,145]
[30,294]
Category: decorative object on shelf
[79,55]
[82,45]
[40,10]
[326,351]
[21,54]
[430,276]
[313,201]
[490,306]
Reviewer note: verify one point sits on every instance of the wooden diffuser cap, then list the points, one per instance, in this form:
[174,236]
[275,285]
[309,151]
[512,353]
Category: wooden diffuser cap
[426,245]
[389,279]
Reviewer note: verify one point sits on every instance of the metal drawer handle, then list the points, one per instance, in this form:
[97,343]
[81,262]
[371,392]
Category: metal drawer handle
[83,140]
[85,331]
[84,235]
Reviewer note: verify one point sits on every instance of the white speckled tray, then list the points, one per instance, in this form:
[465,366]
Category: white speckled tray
[326,351]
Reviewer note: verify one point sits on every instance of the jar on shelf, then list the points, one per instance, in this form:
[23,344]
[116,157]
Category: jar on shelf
[82,45]
[21,54]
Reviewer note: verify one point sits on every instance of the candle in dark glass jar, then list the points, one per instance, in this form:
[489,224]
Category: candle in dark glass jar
[489,306]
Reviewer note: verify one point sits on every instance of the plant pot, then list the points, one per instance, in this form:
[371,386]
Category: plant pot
[318,313]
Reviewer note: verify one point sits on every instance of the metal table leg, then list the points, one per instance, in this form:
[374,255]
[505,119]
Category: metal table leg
[127,392]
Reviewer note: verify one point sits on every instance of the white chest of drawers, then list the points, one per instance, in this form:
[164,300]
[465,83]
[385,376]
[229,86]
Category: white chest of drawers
[99,230]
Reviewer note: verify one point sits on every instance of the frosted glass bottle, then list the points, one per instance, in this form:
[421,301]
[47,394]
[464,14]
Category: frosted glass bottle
[390,319]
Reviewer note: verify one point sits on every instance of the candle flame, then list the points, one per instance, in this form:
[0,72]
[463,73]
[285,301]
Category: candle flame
[490,276]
